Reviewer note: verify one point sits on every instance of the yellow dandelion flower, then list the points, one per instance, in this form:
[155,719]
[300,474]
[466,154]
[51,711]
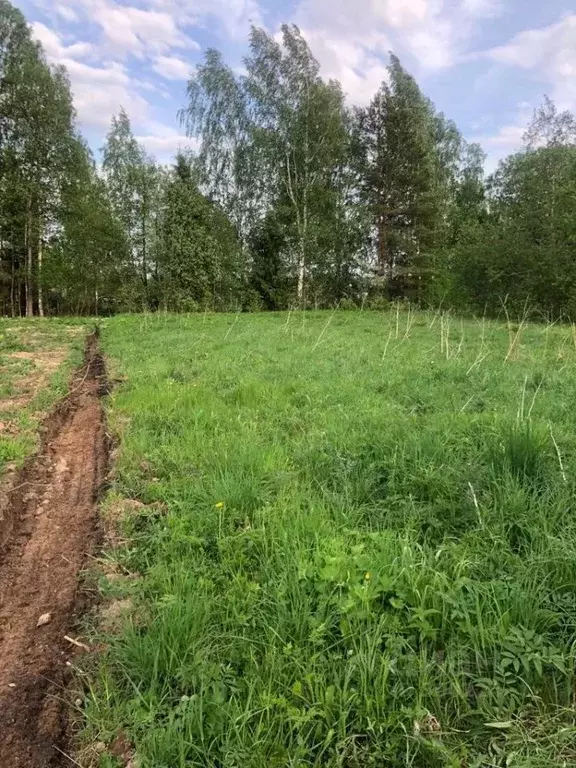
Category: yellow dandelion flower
[219,504]
[367,576]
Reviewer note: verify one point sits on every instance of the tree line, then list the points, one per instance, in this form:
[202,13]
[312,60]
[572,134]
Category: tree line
[294,199]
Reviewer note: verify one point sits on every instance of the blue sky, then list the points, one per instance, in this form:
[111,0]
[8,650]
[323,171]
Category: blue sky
[485,63]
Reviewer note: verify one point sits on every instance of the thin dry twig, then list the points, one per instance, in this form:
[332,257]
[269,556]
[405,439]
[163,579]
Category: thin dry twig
[67,756]
[77,643]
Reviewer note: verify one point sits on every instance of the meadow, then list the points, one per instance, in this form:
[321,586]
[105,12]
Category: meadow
[342,539]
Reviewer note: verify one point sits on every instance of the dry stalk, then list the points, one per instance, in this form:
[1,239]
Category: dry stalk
[558,454]
[520,414]
[232,326]
[476,505]
[386,346]
[410,320]
[479,359]
[323,331]
[533,400]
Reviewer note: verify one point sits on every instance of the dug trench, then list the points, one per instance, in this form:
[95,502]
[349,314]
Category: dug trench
[48,528]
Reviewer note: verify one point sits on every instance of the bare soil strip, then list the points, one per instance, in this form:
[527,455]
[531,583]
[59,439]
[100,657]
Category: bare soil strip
[48,524]
[45,364]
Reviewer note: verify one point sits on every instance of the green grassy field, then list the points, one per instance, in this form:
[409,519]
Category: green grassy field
[37,357]
[355,543]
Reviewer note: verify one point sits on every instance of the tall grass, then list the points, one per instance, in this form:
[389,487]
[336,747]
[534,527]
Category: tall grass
[357,545]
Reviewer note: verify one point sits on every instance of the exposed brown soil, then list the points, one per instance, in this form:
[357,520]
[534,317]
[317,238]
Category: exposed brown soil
[45,364]
[48,524]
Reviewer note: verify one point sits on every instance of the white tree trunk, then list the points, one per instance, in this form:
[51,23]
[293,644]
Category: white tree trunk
[29,265]
[301,268]
[40,291]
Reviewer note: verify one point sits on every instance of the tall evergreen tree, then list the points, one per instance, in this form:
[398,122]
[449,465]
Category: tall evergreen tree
[405,156]
[197,246]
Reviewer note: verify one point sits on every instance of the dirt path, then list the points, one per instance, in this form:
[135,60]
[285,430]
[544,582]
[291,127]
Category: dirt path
[48,524]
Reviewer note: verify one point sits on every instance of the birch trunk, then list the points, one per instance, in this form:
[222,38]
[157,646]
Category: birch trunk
[301,268]
[29,264]
[40,289]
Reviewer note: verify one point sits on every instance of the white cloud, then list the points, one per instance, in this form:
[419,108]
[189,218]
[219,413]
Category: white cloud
[100,91]
[548,55]
[350,41]
[349,45]
[53,46]
[360,71]
[508,136]
[433,47]
[402,14]
[548,52]
[153,31]
[172,68]
[163,146]
[483,8]
[233,17]
[164,141]
[138,32]
[66,13]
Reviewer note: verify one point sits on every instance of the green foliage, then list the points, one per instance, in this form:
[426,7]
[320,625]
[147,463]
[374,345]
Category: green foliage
[197,250]
[407,160]
[133,184]
[521,252]
[294,198]
[57,231]
[356,545]
[275,153]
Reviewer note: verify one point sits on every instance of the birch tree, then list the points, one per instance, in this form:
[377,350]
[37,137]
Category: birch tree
[36,131]
[301,137]
[132,181]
